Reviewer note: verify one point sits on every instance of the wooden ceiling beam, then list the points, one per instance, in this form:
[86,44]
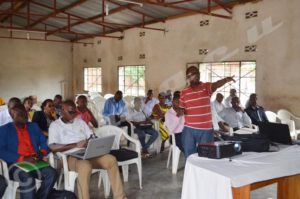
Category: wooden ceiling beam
[182,8]
[15,7]
[90,19]
[129,7]
[56,11]
[223,6]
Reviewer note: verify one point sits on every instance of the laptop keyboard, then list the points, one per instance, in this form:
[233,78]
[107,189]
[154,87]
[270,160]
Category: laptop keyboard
[79,152]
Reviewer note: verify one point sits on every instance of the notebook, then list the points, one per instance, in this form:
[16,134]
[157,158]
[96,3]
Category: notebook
[276,132]
[95,148]
[28,167]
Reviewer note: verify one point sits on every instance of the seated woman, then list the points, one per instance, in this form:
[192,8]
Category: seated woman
[44,117]
[158,113]
[84,113]
[174,121]
[27,102]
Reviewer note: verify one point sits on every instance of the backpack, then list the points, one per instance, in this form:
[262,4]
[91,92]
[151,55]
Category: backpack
[61,194]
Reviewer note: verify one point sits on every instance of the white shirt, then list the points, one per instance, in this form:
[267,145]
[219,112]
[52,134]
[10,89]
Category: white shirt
[235,119]
[218,106]
[215,118]
[136,116]
[227,102]
[5,117]
[149,106]
[67,133]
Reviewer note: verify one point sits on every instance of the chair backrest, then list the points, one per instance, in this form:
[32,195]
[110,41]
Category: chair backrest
[284,114]
[272,117]
[4,169]
[110,130]
[129,100]
[108,95]
[3,107]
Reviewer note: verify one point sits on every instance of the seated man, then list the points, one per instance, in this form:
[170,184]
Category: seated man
[84,113]
[235,116]
[116,110]
[149,102]
[57,104]
[3,185]
[255,112]
[227,101]
[143,126]
[217,103]
[23,141]
[174,121]
[69,132]
[5,116]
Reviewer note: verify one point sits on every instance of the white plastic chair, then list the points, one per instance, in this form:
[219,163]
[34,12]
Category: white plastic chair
[108,95]
[11,190]
[3,107]
[272,117]
[290,119]
[128,100]
[71,176]
[174,151]
[118,132]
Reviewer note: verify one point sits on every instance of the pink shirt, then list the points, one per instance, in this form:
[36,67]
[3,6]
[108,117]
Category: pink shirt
[173,123]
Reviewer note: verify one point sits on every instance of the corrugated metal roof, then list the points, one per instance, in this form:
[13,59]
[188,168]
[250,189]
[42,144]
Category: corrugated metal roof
[87,19]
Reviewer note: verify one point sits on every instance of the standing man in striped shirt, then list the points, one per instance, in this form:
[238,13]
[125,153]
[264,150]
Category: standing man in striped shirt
[195,100]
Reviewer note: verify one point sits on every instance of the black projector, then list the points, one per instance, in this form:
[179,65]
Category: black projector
[220,149]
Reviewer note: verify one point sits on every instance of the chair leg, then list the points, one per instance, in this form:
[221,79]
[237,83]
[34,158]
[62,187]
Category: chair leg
[125,173]
[60,178]
[175,160]
[99,180]
[15,186]
[169,156]
[106,184]
[139,168]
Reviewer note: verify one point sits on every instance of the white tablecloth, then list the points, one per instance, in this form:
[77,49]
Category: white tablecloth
[212,179]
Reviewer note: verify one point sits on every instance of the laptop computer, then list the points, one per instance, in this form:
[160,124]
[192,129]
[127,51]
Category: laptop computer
[276,132]
[95,148]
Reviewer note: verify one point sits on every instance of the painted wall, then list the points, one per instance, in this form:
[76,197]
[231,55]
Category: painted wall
[275,32]
[35,68]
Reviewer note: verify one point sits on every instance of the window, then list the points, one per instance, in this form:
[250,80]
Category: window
[244,74]
[93,79]
[132,80]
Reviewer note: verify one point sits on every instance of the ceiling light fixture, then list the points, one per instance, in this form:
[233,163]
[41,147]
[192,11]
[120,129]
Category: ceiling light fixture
[133,2]
[106,9]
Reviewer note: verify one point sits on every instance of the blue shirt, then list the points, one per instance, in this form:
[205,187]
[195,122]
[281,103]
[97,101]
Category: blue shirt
[112,107]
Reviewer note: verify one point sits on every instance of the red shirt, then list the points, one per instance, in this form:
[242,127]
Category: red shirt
[85,116]
[196,102]
[25,147]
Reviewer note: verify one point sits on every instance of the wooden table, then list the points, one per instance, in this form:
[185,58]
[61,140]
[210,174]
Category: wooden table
[287,188]
[236,178]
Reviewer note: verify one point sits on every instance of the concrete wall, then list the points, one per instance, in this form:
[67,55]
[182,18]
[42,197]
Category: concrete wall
[275,32]
[35,68]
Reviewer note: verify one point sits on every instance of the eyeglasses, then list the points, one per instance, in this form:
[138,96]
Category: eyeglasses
[190,75]
[72,112]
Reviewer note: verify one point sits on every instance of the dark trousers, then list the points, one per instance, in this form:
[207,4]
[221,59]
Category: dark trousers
[141,133]
[125,123]
[27,187]
[178,141]
[3,185]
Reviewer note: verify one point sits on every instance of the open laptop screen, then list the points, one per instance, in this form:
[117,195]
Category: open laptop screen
[276,132]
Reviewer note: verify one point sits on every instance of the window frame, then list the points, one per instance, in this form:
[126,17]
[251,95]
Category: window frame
[240,71]
[101,80]
[135,65]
